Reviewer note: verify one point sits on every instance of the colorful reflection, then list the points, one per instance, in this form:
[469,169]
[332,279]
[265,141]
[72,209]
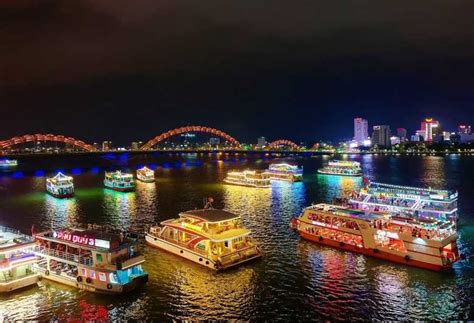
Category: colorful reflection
[61,212]
[332,186]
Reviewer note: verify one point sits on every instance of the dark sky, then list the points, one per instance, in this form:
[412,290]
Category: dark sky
[300,69]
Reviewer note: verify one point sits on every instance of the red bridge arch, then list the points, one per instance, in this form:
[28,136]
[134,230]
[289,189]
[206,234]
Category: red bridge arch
[178,131]
[282,142]
[48,137]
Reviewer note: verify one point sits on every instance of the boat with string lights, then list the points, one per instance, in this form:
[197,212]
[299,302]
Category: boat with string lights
[8,163]
[285,172]
[60,186]
[429,244]
[407,201]
[341,168]
[146,175]
[91,259]
[251,178]
[16,260]
[213,238]
[118,181]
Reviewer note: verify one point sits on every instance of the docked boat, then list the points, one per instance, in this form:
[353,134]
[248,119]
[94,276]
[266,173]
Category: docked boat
[91,260]
[60,186]
[119,181]
[341,168]
[252,178]
[146,175]
[8,162]
[285,172]
[429,244]
[212,238]
[16,260]
[407,201]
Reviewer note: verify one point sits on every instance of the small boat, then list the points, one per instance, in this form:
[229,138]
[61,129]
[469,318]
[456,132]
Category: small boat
[16,260]
[429,244]
[60,186]
[8,162]
[91,260]
[285,172]
[146,175]
[119,181]
[252,178]
[341,168]
[210,237]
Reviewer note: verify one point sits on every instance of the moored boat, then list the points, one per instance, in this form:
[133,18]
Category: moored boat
[146,175]
[60,186]
[285,172]
[212,238]
[251,178]
[341,168]
[16,260]
[424,244]
[91,260]
[119,181]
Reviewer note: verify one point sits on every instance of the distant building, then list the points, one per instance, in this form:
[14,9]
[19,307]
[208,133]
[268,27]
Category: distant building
[464,129]
[416,138]
[394,140]
[466,138]
[214,141]
[106,145]
[402,134]
[381,135]
[361,131]
[430,127]
[136,145]
[446,136]
[261,142]
[96,145]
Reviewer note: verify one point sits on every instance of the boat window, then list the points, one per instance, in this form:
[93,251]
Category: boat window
[226,244]
[113,278]
[92,274]
[99,257]
[102,277]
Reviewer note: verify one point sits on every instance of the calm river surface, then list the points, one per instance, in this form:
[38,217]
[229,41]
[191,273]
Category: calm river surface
[295,280]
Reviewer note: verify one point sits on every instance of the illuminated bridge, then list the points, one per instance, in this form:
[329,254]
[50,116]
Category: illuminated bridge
[6,144]
[282,143]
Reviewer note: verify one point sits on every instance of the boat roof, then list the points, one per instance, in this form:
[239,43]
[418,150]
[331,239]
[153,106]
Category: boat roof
[343,211]
[411,190]
[11,239]
[60,177]
[211,215]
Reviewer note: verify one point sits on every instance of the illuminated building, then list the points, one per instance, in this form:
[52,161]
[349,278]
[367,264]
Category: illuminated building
[106,145]
[381,136]
[429,127]
[361,130]
[214,141]
[394,140]
[464,129]
[261,142]
[402,134]
[136,145]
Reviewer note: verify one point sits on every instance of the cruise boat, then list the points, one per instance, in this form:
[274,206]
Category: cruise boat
[146,175]
[91,260]
[406,201]
[119,181]
[60,186]
[8,162]
[428,244]
[285,172]
[16,260]
[252,178]
[341,168]
[212,238]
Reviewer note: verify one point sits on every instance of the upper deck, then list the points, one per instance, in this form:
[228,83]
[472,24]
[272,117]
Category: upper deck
[286,168]
[429,194]
[60,180]
[118,176]
[13,240]
[344,164]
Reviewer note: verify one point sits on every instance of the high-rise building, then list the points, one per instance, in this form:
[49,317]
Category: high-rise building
[464,129]
[381,135]
[261,142]
[430,127]
[402,134]
[394,140]
[106,145]
[361,131]
[136,145]
[214,141]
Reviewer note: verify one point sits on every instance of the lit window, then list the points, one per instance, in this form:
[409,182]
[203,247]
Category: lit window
[113,278]
[84,272]
[92,274]
[102,277]
[99,257]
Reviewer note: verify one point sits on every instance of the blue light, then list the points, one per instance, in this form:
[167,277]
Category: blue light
[39,173]
[17,174]
[139,166]
[76,171]
[166,165]
[153,166]
[124,157]
[95,170]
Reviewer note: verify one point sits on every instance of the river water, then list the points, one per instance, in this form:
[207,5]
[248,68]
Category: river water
[295,279]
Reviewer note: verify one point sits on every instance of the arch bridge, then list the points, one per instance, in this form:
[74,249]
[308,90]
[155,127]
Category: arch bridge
[282,142]
[45,138]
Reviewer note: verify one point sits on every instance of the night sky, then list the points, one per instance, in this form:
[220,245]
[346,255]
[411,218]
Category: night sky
[302,70]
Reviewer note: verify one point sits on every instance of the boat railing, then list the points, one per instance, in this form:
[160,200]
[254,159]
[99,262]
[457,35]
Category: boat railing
[17,232]
[84,260]
[239,254]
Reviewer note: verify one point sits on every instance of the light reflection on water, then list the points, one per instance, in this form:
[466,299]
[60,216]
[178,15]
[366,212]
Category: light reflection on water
[295,280]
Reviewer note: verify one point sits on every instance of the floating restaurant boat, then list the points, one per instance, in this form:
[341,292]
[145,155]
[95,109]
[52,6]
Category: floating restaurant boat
[285,172]
[90,260]
[406,201]
[8,162]
[250,178]
[119,181]
[16,260]
[425,244]
[341,168]
[209,237]
[146,175]
[60,186]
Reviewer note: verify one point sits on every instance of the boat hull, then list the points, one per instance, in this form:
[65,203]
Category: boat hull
[247,184]
[339,174]
[192,255]
[19,283]
[61,196]
[146,180]
[371,252]
[121,189]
